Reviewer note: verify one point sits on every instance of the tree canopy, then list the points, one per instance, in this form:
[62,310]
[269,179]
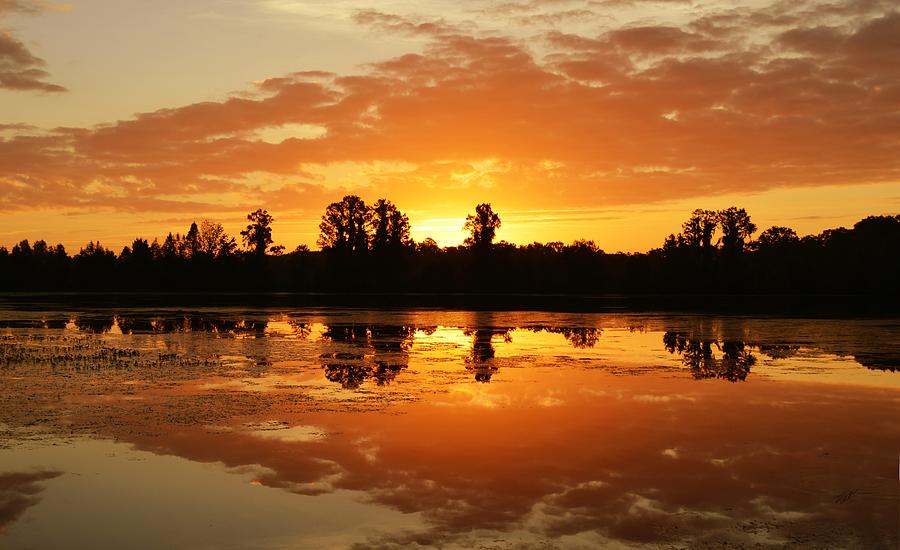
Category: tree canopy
[258,234]
[482,226]
[389,227]
[344,225]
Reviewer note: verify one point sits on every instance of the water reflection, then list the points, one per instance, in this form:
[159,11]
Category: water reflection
[377,351]
[779,351]
[579,337]
[193,323]
[95,325]
[481,358]
[19,491]
[578,441]
[366,352]
[590,471]
[731,360]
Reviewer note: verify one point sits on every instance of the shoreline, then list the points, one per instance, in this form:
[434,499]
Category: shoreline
[827,305]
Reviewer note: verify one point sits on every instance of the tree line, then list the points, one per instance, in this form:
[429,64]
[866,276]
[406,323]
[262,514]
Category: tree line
[369,249]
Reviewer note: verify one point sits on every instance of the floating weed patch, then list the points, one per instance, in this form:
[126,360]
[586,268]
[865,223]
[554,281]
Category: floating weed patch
[86,352]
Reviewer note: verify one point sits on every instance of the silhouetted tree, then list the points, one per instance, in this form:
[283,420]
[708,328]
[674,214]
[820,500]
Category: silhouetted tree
[736,228]
[344,225]
[171,247]
[95,250]
[858,260]
[95,265]
[389,227]
[192,241]
[428,246]
[214,242]
[156,249]
[140,249]
[482,226]
[584,246]
[258,235]
[698,231]
[672,244]
[22,249]
[775,237]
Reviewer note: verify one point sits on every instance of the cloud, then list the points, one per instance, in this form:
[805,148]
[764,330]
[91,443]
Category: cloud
[19,68]
[32,6]
[12,6]
[733,101]
[400,24]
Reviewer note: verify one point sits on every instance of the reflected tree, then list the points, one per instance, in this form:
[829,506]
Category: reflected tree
[731,360]
[350,365]
[348,374]
[189,322]
[878,360]
[481,359]
[778,351]
[301,330]
[583,337]
[95,324]
[391,345]
[579,337]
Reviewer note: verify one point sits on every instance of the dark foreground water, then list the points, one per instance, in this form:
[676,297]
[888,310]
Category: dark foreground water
[237,428]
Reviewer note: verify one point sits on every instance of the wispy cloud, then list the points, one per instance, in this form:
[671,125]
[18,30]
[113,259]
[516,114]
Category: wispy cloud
[19,68]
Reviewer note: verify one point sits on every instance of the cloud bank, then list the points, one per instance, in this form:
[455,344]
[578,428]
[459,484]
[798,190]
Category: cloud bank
[731,100]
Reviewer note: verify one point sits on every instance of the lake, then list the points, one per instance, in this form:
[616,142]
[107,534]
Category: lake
[255,427]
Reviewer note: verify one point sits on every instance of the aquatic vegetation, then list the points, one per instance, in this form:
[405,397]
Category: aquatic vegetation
[88,352]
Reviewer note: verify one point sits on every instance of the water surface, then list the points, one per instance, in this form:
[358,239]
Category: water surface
[264,428]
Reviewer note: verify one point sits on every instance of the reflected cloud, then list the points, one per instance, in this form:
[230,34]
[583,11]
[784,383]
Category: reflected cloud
[282,431]
[480,396]
[19,492]
[666,398]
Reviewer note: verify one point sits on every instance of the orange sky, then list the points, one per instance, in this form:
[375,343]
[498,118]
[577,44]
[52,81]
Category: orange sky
[601,119]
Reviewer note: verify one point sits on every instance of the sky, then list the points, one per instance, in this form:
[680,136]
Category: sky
[608,120]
